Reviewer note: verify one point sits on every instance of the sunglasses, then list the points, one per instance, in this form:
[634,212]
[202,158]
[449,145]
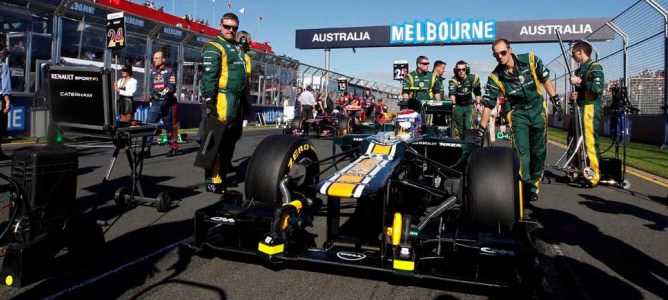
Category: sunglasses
[230,27]
[500,53]
[458,70]
[424,63]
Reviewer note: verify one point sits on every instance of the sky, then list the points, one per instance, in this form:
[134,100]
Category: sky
[282,17]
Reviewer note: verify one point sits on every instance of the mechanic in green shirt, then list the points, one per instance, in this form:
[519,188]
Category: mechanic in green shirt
[520,79]
[461,86]
[589,86]
[438,119]
[421,83]
[224,84]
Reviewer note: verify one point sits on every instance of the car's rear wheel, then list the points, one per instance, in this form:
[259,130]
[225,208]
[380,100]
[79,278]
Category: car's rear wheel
[493,186]
[272,160]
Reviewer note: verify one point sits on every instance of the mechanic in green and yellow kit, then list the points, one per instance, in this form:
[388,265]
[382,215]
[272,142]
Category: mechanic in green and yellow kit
[461,86]
[224,84]
[520,79]
[421,83]
[589,86]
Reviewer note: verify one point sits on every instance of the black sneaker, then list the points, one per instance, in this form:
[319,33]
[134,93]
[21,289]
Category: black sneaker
[533,197]
[147,153]
[216,188]
[172,152]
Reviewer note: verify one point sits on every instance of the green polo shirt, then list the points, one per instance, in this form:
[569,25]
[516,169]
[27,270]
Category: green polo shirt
[520,86]
[592,85]
[422,86]
[462,88]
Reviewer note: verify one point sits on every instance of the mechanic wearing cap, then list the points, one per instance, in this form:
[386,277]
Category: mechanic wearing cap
[588,81]
[224,84]
[520,78]
[421,83]
[164,106]
[461,86]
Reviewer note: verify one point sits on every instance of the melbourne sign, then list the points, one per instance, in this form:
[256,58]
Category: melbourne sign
[453,32]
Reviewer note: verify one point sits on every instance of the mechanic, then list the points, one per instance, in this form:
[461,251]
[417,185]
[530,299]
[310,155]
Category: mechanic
[589,86]
[369,102]
[421,83]
[163,103]
[5,92]
[520,79]
[461,85]
[224,84]
[439,70]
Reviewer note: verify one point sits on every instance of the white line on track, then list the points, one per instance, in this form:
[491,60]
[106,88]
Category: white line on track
[118,269]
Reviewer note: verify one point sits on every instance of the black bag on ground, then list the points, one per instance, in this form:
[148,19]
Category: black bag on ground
[48,176]
[611,170]
[213,136]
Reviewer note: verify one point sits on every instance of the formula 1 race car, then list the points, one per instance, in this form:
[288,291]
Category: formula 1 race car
[425,206]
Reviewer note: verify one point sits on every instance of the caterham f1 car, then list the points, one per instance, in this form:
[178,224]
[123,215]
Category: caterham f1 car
[426,206]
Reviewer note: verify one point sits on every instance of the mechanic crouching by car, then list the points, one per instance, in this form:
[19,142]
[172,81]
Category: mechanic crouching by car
[164,105]
[520,79]
[461,85]
[224,86]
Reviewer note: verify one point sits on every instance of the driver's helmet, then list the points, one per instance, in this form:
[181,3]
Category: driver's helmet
[407,124]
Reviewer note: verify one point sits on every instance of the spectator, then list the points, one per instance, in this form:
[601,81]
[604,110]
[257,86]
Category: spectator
[5,91]
[307,101]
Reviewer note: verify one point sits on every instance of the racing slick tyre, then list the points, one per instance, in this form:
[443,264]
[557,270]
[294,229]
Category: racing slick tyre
[272,160]
[493,187]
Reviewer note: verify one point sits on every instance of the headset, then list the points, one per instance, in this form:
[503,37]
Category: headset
[461,62]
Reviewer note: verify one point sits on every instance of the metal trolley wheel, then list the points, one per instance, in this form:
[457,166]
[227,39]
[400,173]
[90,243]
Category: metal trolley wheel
[122,198]
[163,202]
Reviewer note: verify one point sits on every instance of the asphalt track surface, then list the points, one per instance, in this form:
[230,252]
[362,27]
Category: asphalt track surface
[602,242]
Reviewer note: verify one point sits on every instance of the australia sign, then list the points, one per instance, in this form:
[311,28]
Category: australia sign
[453,32]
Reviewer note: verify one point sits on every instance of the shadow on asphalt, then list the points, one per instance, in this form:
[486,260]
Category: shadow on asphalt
[119,251]
[619,208]
[103,192]
[627,261]
[603,286]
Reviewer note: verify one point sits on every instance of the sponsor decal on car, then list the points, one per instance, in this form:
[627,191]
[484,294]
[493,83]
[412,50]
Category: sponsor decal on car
[350,256]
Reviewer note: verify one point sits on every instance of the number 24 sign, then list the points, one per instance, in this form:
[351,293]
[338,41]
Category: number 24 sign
[115,30]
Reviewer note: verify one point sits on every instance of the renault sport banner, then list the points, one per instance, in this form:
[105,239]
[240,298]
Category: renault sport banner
[453,32]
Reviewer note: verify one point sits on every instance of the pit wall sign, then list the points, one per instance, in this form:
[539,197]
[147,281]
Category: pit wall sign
[453,32]
[16,120]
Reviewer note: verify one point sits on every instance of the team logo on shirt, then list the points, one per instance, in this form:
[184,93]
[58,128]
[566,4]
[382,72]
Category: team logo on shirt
[521,79]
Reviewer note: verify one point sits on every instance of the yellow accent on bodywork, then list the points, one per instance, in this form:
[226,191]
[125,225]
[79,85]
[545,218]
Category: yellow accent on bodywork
[349,179]
[344,190]
[381,149]
[403,265]
[396,229]
[270,250]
